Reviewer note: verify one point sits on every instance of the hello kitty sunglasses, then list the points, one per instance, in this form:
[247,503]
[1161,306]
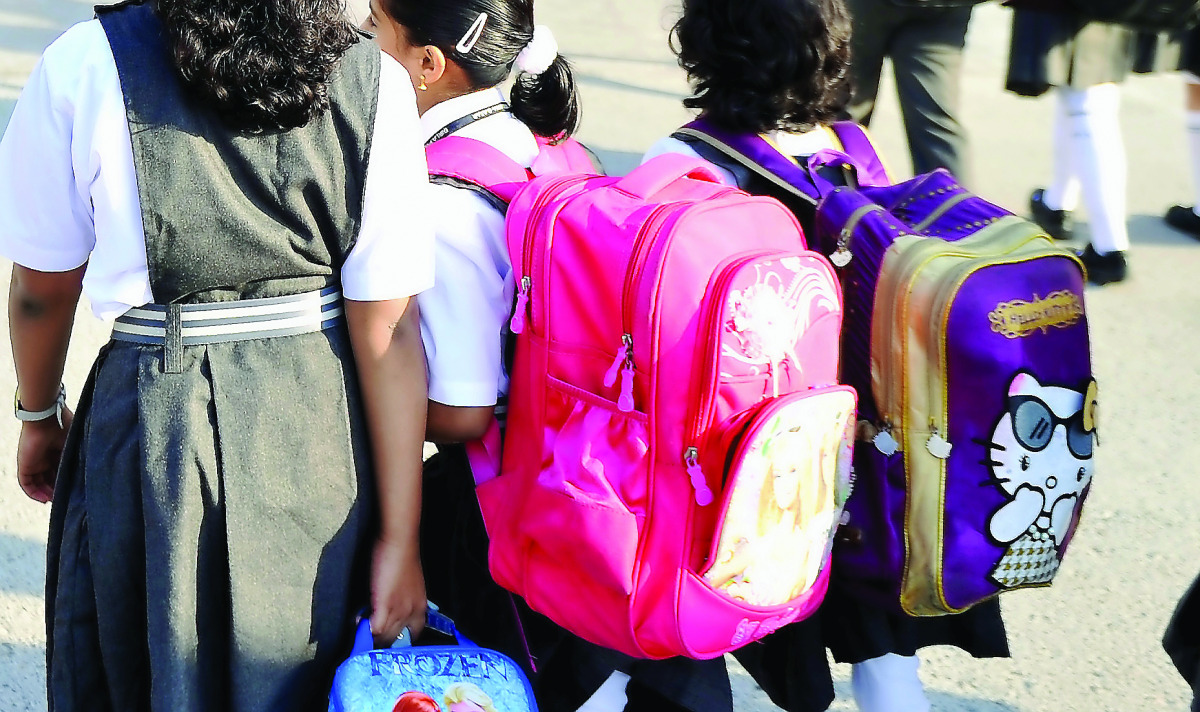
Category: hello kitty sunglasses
[1033,424]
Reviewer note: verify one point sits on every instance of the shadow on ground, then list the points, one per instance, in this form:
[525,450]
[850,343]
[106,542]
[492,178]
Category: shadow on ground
[6,108]
[584,78]
[22,565]
[28,27]
[623,60]
[22,677]
[938,701]
[616,163]
[1153,230]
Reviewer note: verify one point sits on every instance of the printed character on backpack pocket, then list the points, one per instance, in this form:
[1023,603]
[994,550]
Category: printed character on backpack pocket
[766,316]
[777,529]
[1041,456]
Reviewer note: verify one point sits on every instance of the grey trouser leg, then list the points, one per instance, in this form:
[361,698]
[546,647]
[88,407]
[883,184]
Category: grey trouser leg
[874,22]
[926,47]
[927,56]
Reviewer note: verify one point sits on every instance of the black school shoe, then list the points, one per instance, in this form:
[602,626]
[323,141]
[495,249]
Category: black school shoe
[1057,223]
[1104,268]
[1184,219]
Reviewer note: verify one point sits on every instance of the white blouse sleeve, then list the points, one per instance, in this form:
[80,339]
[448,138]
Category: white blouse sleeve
[393,257]
[47,221]
[464,317]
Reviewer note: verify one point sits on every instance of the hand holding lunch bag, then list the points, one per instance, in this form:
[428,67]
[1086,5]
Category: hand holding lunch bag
[431,678]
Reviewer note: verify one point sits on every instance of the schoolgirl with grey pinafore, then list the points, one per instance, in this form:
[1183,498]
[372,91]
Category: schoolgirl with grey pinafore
[210,533]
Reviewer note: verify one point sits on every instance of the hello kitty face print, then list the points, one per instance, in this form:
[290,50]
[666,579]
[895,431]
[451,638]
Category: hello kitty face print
[1041,458]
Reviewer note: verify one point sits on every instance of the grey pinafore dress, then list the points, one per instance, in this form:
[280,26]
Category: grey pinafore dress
[210,531]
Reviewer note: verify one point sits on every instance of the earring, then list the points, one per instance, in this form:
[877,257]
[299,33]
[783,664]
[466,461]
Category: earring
[423,86]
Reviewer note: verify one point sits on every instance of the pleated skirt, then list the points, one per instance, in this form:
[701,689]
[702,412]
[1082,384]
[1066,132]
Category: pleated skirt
[1052,49]
[209,537]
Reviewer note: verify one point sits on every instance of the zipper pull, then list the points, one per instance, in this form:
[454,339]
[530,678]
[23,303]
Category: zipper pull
[610,377]
[517,324]
[625,402]
[704,495]
[884,442]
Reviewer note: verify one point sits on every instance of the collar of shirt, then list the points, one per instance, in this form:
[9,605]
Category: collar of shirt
[804,144]
[443,114]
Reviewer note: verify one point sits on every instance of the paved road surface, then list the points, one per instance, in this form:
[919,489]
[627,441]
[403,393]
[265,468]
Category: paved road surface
[1091,642]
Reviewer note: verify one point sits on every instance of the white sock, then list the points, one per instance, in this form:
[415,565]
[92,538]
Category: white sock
[1063,191]
[1193,132]
[1099,159]
[609,697]
[889,684]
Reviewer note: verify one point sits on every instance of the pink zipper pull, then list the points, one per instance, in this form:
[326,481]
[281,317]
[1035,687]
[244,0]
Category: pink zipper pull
[625,402]
[517,324]
[623,355]
[704,495]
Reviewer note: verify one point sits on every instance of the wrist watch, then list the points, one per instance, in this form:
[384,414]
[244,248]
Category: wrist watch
[35,416]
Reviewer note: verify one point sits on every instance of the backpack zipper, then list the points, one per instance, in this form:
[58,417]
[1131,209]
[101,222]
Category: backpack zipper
[623,362]
[842,255]
[552,190]
[706,385]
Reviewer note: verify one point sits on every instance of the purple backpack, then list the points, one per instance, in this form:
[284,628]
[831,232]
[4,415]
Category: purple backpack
[966,338]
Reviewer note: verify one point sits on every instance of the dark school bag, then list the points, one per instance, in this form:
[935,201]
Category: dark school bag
[966,338]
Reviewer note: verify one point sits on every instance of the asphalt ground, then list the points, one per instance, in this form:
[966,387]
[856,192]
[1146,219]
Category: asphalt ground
[1088,643]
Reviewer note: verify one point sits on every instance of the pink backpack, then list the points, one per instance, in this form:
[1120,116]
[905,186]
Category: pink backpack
[677,452]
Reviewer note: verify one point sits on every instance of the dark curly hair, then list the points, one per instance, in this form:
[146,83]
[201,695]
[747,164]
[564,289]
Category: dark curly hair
[763,65]
[547,103]
[263,64]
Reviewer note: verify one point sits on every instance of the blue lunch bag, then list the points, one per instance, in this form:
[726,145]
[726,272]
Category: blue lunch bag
[434,678]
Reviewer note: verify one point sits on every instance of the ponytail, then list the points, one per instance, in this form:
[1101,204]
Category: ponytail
[548,103]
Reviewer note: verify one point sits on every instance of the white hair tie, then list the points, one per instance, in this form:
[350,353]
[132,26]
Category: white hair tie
[540,53]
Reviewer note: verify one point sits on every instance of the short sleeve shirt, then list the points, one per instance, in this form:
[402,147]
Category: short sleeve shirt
[68,190]
[464,318]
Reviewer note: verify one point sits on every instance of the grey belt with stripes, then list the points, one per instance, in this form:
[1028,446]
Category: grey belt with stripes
[175,326]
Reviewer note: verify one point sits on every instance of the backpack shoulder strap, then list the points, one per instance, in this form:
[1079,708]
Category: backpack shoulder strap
[857,143]
[473,164]
[752,153]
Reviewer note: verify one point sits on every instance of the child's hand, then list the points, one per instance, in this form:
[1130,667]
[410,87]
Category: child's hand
[39,452]
[397,592]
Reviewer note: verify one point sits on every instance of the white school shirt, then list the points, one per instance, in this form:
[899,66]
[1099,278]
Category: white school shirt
[464,318]
[68,190]
[791,144]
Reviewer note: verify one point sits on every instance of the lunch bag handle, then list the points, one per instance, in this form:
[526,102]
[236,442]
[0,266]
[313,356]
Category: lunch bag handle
[364,641]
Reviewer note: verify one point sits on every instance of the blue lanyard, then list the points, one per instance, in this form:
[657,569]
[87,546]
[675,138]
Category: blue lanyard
[460,124]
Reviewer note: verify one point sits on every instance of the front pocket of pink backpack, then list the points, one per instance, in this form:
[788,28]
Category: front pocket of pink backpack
[580,512]
[788,481]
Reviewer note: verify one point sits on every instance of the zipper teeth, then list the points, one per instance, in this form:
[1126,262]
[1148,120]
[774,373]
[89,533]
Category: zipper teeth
[902,277]
[711,373]
[635,259]
[549,193]
[941,210]
[852,222]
